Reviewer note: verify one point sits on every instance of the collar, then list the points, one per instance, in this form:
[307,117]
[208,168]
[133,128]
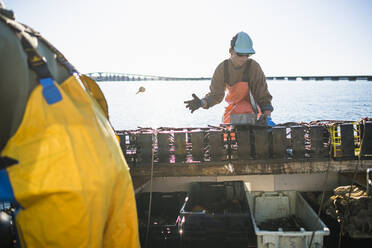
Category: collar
[237,67]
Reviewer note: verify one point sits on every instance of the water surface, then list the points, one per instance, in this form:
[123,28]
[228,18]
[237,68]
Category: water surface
[161,105]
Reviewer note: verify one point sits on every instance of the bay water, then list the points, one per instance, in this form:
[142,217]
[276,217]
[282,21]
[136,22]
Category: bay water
[162,102]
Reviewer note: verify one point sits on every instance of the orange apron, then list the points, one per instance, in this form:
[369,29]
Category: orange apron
[238,100]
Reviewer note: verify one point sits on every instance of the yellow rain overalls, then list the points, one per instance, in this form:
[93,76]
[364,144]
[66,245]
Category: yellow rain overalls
[68,179]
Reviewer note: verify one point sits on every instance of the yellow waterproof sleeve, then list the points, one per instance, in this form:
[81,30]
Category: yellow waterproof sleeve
[72,181]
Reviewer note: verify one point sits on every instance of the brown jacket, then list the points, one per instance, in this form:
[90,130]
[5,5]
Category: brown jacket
[257,83]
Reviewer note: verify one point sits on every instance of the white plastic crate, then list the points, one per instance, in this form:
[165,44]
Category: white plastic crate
[265,206]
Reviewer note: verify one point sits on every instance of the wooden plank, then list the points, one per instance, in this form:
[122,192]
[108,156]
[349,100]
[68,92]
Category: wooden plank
[215,142]
[298,141]
[244,144]
[347,140]
[180,147]
[163,147]
[197,148]
[144,148]
[280,143]
[261,142]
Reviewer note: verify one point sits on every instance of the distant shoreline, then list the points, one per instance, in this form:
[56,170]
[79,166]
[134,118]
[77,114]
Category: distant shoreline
[112,76]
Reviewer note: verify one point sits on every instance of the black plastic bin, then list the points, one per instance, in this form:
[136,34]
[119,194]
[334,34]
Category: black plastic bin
[163,229]
[216,214]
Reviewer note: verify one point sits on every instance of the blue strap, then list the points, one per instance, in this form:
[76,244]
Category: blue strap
[40,67]
[50,91]
[7,195]
[6,190]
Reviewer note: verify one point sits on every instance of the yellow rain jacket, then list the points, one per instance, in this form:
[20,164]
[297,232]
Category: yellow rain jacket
[71,184]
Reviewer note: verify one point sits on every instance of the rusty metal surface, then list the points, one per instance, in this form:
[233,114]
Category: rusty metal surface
[366,133]
[280,142]
[347,140]
[318,149]
[180,147]
[298,141]
[163,147]
[197,146]
[289,148]
[261,143]
[254,167]
[215,143]
[144,148]
[244,149]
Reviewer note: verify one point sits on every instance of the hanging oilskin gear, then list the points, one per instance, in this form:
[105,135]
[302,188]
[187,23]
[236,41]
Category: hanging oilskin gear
[242,108]
[94,90]
[65,171]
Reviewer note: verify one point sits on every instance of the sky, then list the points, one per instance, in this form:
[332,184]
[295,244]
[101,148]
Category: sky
[189,38]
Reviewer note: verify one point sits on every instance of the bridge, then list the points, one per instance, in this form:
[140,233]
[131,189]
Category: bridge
[115,76]
[319,78]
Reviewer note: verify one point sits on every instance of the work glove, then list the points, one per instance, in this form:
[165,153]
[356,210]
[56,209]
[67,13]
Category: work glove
[270,122]
[265,120]
[193,104]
